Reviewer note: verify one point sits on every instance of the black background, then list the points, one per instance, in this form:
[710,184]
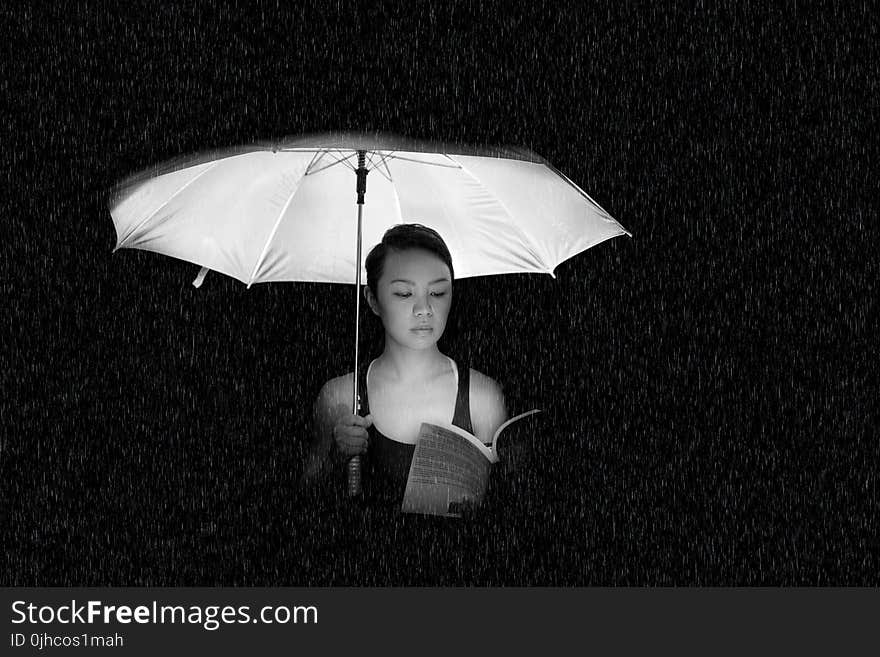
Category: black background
[707,380]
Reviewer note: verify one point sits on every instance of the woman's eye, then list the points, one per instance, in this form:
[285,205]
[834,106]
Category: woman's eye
[405,295]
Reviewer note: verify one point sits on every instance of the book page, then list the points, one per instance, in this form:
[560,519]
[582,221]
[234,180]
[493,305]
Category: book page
[500,429]
[449,467]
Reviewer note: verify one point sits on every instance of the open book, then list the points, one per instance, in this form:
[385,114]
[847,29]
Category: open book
[450,468]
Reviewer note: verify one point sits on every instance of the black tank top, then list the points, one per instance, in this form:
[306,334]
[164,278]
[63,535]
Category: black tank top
[387,462]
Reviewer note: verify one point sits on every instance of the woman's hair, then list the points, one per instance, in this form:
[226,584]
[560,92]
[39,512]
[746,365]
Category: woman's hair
[401,238]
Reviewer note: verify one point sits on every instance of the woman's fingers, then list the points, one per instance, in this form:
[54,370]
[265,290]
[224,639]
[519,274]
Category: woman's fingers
[357,420]
[351,435]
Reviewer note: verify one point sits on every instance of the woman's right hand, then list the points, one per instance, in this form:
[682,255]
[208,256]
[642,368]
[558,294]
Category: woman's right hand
[351,436]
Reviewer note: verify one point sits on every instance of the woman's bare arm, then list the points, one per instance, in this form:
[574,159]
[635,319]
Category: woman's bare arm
[328,407]
[488,409]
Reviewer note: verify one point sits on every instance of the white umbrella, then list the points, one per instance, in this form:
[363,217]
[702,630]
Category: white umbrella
[284,212]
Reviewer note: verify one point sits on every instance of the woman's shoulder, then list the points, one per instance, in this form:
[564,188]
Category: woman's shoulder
[488,410]
[481,384]
[337,390]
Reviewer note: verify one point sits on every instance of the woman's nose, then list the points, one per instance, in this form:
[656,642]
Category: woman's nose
[423,307]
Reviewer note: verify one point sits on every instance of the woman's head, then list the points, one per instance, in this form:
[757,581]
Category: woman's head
[401,238]
[409,284]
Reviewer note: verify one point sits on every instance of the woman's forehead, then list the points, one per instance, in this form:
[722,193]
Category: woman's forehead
[416,265]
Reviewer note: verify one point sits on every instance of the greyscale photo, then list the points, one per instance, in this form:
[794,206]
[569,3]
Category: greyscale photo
[439,297]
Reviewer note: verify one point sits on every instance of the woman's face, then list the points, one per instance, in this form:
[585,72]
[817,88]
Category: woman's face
[413,297]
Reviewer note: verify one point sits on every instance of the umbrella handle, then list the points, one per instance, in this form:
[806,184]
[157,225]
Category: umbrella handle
[353,476]
[353,467]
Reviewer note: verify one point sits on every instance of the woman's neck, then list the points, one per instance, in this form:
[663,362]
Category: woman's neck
[410,365]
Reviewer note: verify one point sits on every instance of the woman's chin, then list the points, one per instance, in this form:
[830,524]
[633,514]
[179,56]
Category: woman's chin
[424,342]
[420,339]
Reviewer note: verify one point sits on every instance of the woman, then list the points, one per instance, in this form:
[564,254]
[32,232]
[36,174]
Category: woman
[409,287]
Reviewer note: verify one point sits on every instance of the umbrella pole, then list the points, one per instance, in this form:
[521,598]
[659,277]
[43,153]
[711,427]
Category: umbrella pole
[353,467]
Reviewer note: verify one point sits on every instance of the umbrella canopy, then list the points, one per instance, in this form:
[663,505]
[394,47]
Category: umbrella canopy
[284,212]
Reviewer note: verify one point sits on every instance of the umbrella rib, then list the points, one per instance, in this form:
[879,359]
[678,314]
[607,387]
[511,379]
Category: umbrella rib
[609,219]
[394,190]
[271,236]
[370,163]
[527,242]
[430,164]
[382,155]
[164,203]
[386,155]
[382,162]
[332,164]
[316,149]
[317,157]
[345,159]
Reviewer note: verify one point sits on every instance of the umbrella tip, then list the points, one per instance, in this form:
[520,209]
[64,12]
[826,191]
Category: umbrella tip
[200,278]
